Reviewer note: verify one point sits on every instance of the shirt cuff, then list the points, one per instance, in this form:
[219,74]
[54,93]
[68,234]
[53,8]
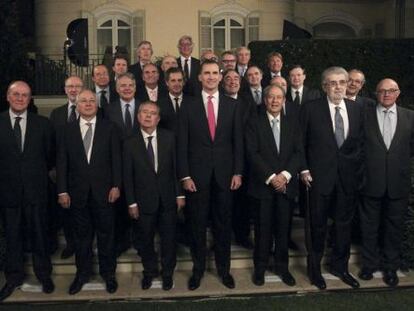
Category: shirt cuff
[304,172]
[267,182]
[287,175]
[181,197]
[134,205]
[63,193]
[185,178]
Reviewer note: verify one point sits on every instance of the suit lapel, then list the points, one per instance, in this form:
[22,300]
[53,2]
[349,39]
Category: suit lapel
[201,110]
[143,148]
[374,126]
[267,130]
[29,132]
[284,132]
[96,138]
[398,131]
[161,152]
[327,116]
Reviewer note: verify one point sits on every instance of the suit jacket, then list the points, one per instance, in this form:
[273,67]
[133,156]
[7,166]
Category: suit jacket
[143,95]
[388,171]
[247,95]
[169,117]
[136,70]
[308,94]
[198,155]
[247,108]
[267,77]
[78,177]
[142,184]
[113,113]
[113,95]
[192,86]
[24,175]
[265,159]
[328,163]
[365,102]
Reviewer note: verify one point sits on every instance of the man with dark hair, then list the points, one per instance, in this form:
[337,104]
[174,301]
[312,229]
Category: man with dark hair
[25,159]
[102,87]
[153,193]
[254,92]
[274,68]
[210,164]
[89,180]
[228,60]
[144,54]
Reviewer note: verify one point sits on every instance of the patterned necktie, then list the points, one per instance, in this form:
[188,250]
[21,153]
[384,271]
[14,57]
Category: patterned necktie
[211,117]
[257,97]
[72,115]
[128,120]
[87,139]
[177,107]
[386,131]
[339,128]
[150,151]
[276,132]
[103,102]
[186,69]
[297,98]
[18,133]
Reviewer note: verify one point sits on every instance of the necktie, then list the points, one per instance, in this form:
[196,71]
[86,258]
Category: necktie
[257,97]
[72,115]
[386,131]
[186,69]
[87,139]
[177,107]
[128,120]
[211,117]
[103,102]
[18,133]
[276,132]
[339,128]
[153,95]
[150,151]
[297,98]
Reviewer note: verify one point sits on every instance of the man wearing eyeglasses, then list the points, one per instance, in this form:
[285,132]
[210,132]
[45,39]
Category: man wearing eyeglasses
[356,82]
[389,145]
[332,131]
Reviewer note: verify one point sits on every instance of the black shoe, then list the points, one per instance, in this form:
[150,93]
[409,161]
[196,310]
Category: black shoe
[258,278]
[318,281]
[366,274]
[288,278]
[47,286]
[194,282]
[346,277]
[167,283]
[8,289]
[146,282]
[390,278]
[111,285]
[228,280]
[293,246]
[76,285]
[246,243]
[67,252]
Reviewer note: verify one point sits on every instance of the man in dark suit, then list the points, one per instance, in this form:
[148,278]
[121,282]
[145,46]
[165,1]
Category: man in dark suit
[389,146]
[25,159]
[228,60]
[332,132]
[152,193]
[123,113]
[89,179]
[274,68]
[275,153]
[153,88]
[210,164]
[355,84]
[243,62]
[189,65]
[241,206]
[254,92]
[119,67]
[105,94]
[144,54]
[59,117]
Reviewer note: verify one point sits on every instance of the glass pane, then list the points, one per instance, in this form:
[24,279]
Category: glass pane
[253,21]
[124,39]
[220,23]
[122,23]
[107,24]
[237,38]
[104,40]
[219,39]
[253,33]
[234,23]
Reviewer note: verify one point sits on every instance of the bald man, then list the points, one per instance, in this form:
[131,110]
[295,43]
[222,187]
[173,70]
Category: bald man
[389,146]
[25,159]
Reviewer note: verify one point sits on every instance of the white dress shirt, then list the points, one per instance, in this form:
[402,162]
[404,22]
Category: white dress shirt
[23,123]
[84,128]
[70,104]
[344,115]
[152,93]
[182,59]
[293,93]
[98,93]
[180,99]
[215,101]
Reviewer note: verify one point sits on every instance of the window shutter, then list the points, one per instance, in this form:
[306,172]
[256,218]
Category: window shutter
[252,28]
[205,31]
[138,31]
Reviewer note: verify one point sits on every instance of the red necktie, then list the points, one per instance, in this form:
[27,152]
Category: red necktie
[211,117]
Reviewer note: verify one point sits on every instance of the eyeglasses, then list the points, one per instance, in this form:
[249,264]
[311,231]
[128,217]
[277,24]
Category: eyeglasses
[336,83]
[385,92]
[71,86]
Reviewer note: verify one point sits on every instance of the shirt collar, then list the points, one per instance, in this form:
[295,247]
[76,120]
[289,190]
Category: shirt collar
[300,89]
[146,135]
[70,104]
[393,108]
[98,89]
[13,115]
[205,95]
[271,117]
[258,89]
[341,105]
[180,97]
[131,102]
[83,122]
[184,58]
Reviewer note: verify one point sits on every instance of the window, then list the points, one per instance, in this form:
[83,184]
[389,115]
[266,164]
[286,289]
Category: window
[112,33]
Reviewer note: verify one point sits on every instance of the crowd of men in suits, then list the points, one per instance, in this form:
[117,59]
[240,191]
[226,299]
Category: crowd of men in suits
[221,141]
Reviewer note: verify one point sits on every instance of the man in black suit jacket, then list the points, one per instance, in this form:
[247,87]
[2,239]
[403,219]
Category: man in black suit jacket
[144,54]
[105,93]
[243,62]
[152,192]
[119,67]
[153,88]
[59,117]
[254,92]
[275,153]
[355,84]
[25,159]
[89,178]
[274,68]
[210,164]
[389,146]
[189,65]
[332,132]
[123,113]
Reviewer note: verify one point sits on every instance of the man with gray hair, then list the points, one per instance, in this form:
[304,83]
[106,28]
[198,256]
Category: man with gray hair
[356,82]
[144,54]
[188,64]
[332,135]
